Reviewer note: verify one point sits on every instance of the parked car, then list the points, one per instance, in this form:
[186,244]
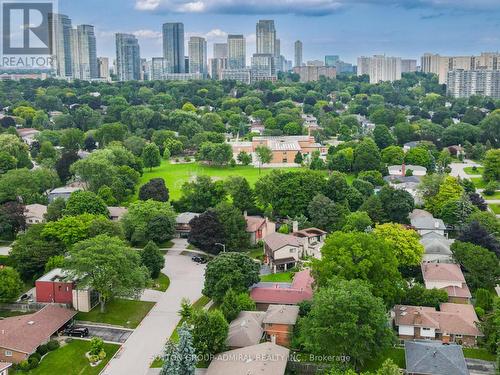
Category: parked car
[76,331]
[199,259]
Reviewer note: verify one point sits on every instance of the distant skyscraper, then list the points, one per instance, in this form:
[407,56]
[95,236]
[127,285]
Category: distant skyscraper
[236,51]
[408,66]
[83,53]
[197,47]
[277,47]
[462,83]
[266,37]
[173,47]
[103,67]
[363,65]
[220,50]
[60,43]
[331,60]
[158,69]
[263,68]
[128,60]
[380,68]
[298,53]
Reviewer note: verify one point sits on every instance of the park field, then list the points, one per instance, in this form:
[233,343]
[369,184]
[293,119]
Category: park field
[175,175]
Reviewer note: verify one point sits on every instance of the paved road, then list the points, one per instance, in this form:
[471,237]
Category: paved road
[457,169]
[147,341]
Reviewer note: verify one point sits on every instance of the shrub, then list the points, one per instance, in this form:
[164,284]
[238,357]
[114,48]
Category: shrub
[24,366]
[93,358]
[490,188]
[36,355]
[479,311]
[33,362]
[42,349]
[53,345]
[96,345]
[102,354]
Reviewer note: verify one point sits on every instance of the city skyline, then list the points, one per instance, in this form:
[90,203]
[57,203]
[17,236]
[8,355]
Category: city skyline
[358,28]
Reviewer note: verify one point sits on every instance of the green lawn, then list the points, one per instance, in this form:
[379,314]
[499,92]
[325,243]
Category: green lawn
[256,253]
[120,312]
[471,172]
[70,359]
[396,354]
[495,208]
[161,283]
[477,353]
[282,277]
[176,174]
[490,197]
[478,182]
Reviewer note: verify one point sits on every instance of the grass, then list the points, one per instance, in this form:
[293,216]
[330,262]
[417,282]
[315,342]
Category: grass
[396,354]
[161,283]
[491,197]
[471,172]
[477,353]
[495,207]
[166,245]
[70,359]
[478,182]
[282,277]
[120,312]
[256,253]
[176,174]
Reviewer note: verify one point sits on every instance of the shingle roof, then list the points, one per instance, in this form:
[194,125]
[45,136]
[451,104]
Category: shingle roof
[426,222]
[263,359]
[281,314]
[309,232]
[26,332]
[35,210]
[4,365]
[276,241]
[246,329]
[185,217]
[254,223]
[434,243]
[299,290]
[442,272]
[117,212]
[434,358]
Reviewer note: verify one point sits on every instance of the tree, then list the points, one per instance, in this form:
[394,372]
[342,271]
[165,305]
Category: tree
[478,201]
[244,158]
[346,318]
[487,220]
[363,256]
[206,232]
[63,165]
[419,295]
[298,158]
[11,285]
[154,189]
[31,251]
[490,327]
[397,204]
[153,259]
[478,235]
[327,215]
[233,303]
[151,156]
[72,139]
[109,266]
[484,299]
[209,332]
[170,359]
[364,187]
[481,269]
[492,165]
[57,261]
[186,351]
[404,242]
[218,154]
[456,212]
[264,155]
[234,227]
[373,207]
[12,220]
[149,221]
[235,271]
[420,156]
[358,221]
[28,186]
[199,195]
[242,195]
[366,156]
[383,137]
[85,202]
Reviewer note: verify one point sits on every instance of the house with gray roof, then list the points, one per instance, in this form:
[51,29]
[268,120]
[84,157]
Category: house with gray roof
[434,358]
[437,248]
[424,223]
[182,227]
[246,329]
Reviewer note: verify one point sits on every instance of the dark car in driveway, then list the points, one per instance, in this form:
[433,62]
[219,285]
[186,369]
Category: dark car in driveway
[76,331]
[199,259]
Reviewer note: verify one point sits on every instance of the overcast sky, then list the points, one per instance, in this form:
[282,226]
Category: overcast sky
[349,28]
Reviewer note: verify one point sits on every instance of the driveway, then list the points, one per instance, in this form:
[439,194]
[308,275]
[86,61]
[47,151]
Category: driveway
[148,340]
[457,169]
[109,334]
[479,367]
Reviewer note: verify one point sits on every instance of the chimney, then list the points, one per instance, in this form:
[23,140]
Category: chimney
[295,226]
[403,169]
[418,318]
[245,213]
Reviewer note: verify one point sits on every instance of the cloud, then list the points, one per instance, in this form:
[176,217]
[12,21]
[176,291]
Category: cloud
[300,7]
[147,34]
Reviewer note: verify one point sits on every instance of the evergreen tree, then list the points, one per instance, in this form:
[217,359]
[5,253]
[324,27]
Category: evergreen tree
[170,359]
[186,352]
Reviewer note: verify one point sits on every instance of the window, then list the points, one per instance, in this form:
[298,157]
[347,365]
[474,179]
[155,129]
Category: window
[8,353]
[426,329]
[458,336]
[292,250]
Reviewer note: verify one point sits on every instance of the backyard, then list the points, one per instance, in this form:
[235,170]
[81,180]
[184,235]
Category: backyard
[70,359]
[120,312]
[282,277]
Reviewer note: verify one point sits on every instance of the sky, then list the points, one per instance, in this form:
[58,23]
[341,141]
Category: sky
[349,28]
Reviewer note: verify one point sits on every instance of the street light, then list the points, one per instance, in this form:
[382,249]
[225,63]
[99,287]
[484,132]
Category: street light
[223,246]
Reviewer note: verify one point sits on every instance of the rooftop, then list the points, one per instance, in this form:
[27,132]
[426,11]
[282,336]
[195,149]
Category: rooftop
[299,290]
[276,241]
[246,329]
[442,272]
[434,358]
[185,217]
[36,209]
[281,314]
[434,243]
[254,223]
[57,274]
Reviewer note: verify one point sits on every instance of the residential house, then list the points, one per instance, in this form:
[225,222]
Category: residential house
[259,227]
[434,358]
[409,145]
[182,227]
[57,287]
[63,192]
[279,321]
[437,248]
[423,222]
[456,150]
[4,368]
[20,336]
[263,359]
[28,135]
[246,329]
[452,323]
[407,183]
[34,213]
[313,240]
[402,170]
[268,293]
[447,276]
[116,213]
